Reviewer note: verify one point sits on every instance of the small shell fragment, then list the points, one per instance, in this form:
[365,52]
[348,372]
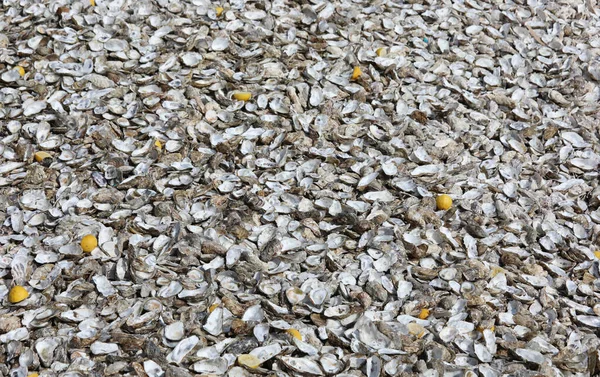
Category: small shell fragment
[249,361]
[356,73]
[301,365]
[416,329]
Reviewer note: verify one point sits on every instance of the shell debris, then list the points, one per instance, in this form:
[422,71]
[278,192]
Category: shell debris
[249,361]
[306,188]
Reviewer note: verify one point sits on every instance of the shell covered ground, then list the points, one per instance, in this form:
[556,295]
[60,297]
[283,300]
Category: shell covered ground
[299,188]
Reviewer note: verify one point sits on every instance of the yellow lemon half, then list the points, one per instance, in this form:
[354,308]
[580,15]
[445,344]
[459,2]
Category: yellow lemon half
[17,294]
[295,333]
[89,243]
[242,96]
[43,158]
[443,202]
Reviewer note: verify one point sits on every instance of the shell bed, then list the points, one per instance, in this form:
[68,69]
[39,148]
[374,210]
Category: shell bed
[297,188]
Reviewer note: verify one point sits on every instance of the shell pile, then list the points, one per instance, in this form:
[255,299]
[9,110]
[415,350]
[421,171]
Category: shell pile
[299,188]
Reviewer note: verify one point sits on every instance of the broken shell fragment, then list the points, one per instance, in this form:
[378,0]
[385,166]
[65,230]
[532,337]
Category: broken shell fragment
[356,73]
[301,365]
[416,329]
[249,361]
[295,295]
